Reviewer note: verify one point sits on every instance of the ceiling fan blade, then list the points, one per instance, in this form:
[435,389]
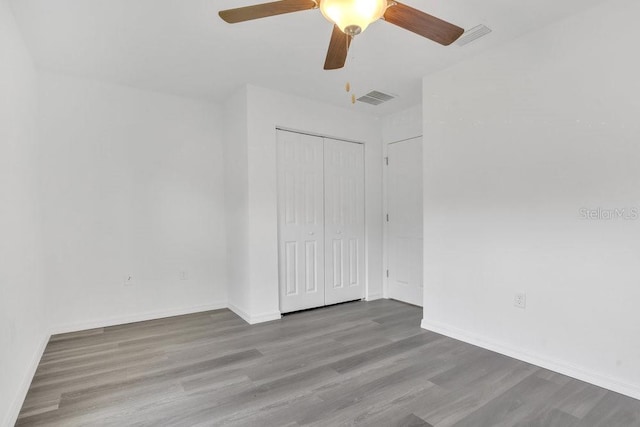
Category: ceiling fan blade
[422,23]
[264,10]
[338,49]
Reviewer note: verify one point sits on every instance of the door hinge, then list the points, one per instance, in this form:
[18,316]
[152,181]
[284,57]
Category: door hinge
[386,160]
[387,217]
[387,273]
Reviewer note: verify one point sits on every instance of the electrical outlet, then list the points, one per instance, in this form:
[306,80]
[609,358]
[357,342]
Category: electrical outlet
[183,275]
[520,300]
[128,280]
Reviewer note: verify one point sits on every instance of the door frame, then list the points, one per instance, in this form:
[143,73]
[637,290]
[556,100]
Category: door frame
[385,210]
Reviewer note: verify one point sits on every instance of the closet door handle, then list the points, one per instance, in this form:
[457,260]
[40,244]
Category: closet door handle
[311,233]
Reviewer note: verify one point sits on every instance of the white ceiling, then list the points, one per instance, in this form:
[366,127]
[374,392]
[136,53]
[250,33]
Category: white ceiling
[183,47]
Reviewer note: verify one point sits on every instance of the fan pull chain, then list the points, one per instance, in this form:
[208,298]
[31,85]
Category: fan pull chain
[347,86]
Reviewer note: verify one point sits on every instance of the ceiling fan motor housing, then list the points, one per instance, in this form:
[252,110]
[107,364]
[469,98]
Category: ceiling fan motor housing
[352,30]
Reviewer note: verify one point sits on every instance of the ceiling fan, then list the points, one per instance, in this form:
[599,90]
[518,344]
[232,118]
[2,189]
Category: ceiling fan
[350,18]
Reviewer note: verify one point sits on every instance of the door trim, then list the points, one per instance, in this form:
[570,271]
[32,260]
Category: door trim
[320,135]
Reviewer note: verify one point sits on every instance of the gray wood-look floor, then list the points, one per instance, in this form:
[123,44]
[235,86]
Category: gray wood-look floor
[363,363]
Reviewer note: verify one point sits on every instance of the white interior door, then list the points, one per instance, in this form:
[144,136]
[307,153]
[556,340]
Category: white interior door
[300,221]
[344,221]
[404,227]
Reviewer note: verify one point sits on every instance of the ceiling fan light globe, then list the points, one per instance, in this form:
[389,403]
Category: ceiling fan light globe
[353,16]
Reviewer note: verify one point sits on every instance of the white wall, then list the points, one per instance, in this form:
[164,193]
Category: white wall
[405,124]
[132,185]
[267,110]
[22,327]
[516,143]
[237,200]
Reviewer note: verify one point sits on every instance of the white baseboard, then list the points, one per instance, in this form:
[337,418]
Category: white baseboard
[123,320]
[562,367]
[14,411]
[373,297]
[254,319]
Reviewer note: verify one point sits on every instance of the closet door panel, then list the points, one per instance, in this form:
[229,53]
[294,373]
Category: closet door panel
[300,221]
[344,221]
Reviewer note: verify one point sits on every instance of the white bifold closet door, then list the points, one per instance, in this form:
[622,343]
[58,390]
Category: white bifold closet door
[300,221]
[320,221]
[343,221]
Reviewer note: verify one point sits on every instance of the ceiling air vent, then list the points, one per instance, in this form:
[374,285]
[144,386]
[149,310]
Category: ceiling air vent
[473,34]
[375,98]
